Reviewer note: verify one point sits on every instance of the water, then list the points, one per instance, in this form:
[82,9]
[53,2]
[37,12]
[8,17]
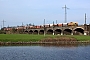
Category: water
[45,53]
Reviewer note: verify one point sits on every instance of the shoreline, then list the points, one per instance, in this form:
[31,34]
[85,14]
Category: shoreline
[46,43]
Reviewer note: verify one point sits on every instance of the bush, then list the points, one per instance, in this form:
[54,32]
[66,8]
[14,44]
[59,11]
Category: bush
[2,32]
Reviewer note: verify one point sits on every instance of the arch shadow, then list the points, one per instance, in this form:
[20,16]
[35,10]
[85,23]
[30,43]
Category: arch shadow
[58,31]
[50,31]
[67,32]
[41,32]
[78,31]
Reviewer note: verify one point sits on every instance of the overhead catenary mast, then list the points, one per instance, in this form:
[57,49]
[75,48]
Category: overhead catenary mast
[53,27]
[44,28]
[22,24]
[3,23]
[56,21]
[85,18]
[65,13]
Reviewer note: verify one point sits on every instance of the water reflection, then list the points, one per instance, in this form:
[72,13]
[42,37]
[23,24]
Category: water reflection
[45,52]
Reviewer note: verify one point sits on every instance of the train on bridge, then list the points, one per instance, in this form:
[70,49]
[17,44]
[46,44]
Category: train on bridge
[53,25]
[71,28]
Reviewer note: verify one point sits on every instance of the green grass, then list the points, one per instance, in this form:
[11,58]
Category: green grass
[21,37]
[28,37]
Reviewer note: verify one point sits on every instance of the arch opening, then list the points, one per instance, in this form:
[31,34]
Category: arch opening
[41,32]
[67,32]
[30,32]
[35,32]
[78,31]
[58,32]
[26,31]
[50,31]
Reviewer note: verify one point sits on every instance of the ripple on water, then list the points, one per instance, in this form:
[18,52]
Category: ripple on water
[44,53]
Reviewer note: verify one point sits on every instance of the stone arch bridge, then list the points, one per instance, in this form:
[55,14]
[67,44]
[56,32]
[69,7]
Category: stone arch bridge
[66,30]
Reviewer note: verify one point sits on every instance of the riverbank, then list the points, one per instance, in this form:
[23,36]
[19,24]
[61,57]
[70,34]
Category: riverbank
[61,43]
[41,39]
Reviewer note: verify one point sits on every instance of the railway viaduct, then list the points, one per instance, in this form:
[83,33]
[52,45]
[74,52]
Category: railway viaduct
[65,30]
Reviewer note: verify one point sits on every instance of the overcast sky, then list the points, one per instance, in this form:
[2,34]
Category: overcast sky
[14,12]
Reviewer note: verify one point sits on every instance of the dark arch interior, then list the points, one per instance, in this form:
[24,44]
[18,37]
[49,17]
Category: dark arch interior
[50,31]
[78,31]
[58,31]
[26,31]
[67,32]
[36,32]
[41,32]
[30,32]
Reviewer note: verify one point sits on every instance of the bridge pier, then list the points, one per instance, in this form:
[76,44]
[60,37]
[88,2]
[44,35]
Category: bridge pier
[38,32]
[53,33]
[72,33]
[62,33]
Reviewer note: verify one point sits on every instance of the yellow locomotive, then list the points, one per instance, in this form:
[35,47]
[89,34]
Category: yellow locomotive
[72,24]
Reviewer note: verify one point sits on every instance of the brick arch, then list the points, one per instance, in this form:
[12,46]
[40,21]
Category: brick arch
[67,31]
[41,32]
[79,27]
[58,31]
[35,31]
[78,31]
[50,31]
[31,32]
[26,31]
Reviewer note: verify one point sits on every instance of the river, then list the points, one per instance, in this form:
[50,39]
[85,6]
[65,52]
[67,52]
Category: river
[81,52]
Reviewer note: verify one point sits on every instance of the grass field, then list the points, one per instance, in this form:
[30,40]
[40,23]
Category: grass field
[33,38]
[19,37]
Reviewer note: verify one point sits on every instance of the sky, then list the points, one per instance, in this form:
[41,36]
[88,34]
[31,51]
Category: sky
[16,12]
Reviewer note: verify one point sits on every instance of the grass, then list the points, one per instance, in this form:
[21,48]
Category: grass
[28,38]
[21,37]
